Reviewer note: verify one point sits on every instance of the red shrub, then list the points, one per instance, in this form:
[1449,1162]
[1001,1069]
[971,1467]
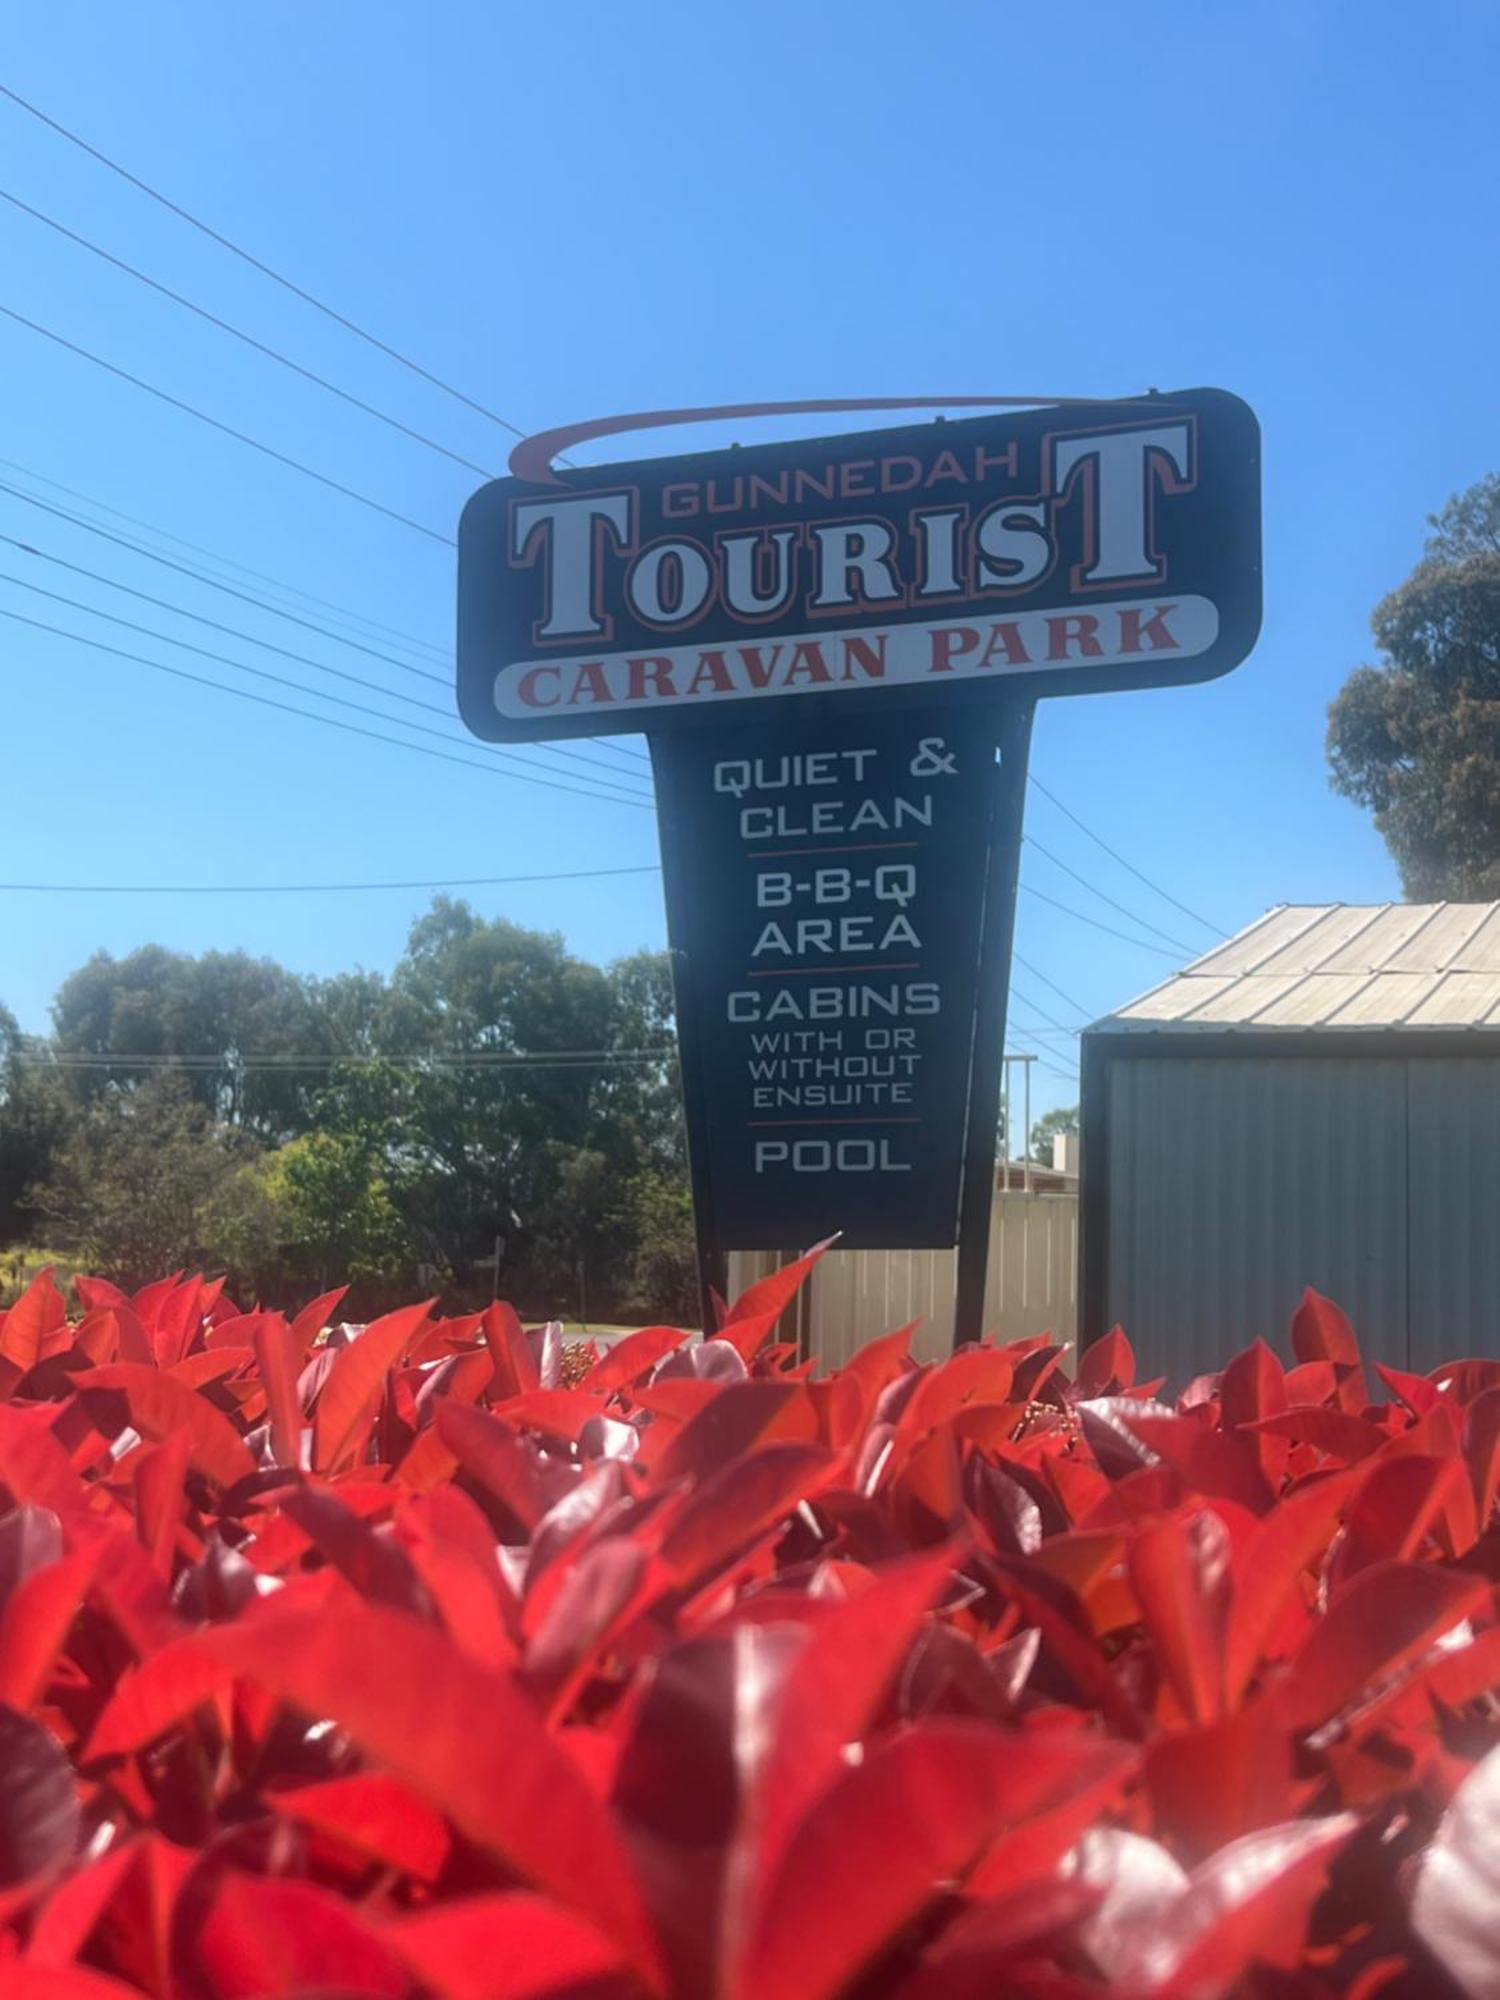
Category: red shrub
[418,1664]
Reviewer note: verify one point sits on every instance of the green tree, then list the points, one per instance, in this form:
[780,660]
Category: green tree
[1416,739]
[662,1275]
[1052,1125]
[34,1113]
[147,1182]
[486,1003]
[245,1023]
[335,1220]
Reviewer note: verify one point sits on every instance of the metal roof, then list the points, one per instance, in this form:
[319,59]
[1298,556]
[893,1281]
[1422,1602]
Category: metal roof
[1305,967]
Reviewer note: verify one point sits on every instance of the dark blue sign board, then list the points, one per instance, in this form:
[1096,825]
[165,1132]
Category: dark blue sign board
[828,882]
[835,647]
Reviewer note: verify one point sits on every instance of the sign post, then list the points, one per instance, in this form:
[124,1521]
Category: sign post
[835,648]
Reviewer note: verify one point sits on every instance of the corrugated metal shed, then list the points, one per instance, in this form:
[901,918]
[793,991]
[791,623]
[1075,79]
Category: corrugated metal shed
[1316,1101]
[1336,965]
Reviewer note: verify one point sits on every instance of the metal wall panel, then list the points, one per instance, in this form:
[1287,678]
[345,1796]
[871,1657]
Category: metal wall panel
[1235,1181]
[1455,1208]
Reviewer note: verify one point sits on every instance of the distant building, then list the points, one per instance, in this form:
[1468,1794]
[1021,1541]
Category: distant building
[1315,1102]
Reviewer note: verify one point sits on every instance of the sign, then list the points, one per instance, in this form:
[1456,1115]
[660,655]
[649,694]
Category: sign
[835,648]
[825,880]
[1071,549]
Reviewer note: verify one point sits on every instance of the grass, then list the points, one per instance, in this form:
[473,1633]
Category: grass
[20,1263]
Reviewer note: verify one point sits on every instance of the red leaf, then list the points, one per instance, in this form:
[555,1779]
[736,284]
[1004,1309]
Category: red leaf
[1253,1386]
[210,1365]
[38,1312]
[554,1413]
[515,1365]
[696,1749]
[452,1549]
[504,1947]
[1250,1758]
[278,1349]
[160,1496]
[845,1886]
[148,1702]
[1464,1380]
[1346,1438]
[314,1316]
[769,1297]
[742,1501]
[1320,1332]
[35,1624]
[1107,1368]
[95,1294]
[491,1453]
[176,1321]
[1456,1902]
[1179,1571]
[412,1701]
[1250,1902]
[1221,1465]
[148,1301]
[976,1378]
[976,1956]
[1394,1510]
[879,1362]
[730,1426]
[1415,1391]
[160,1406]
[346,1406]
[595,1591]
[374,1816]
[119,1908]
[1387,1617]
[1482,1450]
[631,1358]
[39,1817]
[256,1937]
[98,1338]
[376,1566]
[62,1925]
[62,1982]
[1279,1552]
[1468,1671]
[836,1684]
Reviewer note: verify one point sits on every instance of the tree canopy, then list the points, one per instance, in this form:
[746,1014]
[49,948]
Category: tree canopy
[1416,739]
[1062,1118]
[495,1090]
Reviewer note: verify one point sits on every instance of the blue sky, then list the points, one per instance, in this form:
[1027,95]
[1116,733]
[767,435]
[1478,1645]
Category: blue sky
[580,209]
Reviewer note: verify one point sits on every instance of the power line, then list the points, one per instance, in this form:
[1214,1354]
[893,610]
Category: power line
[1036,973]
[214,583]
[1047,855]
[248,597]
[1051,1068]
[249,639]
[1094,923]
[312,888]
[228,430]
[238,333]
[297,687]
[216,625]
[344,611]
[1051,1019]
[1114,852]
[309,715]
[287,284]
[558,1059]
